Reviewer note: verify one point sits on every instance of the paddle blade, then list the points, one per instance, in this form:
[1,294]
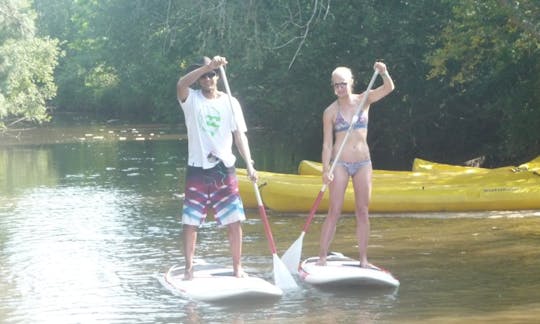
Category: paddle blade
[282,277]
[291,257]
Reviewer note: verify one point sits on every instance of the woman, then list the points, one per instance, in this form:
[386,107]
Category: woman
[354,161]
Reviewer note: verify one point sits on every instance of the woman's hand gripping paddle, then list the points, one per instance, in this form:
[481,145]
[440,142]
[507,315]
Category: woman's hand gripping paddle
[292,256]
[282,277]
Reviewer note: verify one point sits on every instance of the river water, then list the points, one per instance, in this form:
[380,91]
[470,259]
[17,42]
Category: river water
[89,223]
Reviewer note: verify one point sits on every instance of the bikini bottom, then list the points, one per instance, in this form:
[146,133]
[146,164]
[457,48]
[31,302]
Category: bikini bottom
[353,167]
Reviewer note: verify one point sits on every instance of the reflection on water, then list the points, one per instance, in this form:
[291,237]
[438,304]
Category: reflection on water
[88,228]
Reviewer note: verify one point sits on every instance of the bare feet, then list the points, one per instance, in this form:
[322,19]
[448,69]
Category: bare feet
[188,274]
[369,266]
[240,274]
[321,262]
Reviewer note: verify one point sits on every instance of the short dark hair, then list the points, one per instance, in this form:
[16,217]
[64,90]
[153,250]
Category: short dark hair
[202,62]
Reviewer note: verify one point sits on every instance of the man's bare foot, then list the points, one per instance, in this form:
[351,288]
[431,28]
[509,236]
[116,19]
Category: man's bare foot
[188,274]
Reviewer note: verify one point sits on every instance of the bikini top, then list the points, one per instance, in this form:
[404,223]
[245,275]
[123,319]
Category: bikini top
[341,125]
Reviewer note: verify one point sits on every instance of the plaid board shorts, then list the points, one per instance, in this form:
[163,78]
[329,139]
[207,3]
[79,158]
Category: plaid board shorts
[216,188]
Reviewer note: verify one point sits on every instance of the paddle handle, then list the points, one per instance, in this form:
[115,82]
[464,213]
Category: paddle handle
[262,210]
[227,89]
[317,202]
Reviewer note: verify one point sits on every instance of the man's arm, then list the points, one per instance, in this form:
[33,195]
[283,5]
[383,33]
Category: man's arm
[242,144]
[183,84]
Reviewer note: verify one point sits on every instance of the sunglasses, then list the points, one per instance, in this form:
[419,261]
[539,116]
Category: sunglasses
[339,84]
[209,75]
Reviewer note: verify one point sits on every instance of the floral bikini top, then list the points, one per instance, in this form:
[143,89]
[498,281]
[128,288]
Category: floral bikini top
[341,125]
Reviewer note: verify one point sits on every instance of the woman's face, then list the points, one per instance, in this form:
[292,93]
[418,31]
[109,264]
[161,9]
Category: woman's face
[342,82]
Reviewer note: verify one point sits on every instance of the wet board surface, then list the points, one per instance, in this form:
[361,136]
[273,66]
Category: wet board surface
[214,283]
[342,270]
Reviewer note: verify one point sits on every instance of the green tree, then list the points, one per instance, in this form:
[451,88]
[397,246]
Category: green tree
[466,71]
[489,52]
[27,65]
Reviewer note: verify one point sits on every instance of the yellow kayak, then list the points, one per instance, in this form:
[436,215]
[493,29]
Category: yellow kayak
[427,166]
[245,186]
[297,193]
[307,167]
[424,165]
[533,165]
[450,189]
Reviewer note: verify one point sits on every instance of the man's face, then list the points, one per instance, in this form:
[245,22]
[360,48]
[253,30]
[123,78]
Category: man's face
[208,81]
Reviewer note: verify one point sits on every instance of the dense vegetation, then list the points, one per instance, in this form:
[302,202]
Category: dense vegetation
[467,71]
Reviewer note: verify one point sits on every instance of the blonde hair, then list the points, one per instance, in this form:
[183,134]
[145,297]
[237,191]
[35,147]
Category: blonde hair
[344,72]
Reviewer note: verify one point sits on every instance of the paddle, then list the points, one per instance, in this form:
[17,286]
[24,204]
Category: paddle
[292,256]
[282,277]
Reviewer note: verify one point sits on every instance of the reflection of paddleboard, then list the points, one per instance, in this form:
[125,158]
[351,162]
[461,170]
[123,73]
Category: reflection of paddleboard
[342,270]
[216,283]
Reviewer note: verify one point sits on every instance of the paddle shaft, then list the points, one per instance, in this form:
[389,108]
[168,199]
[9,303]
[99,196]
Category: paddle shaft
[260,204]
[338,153]
[264,218]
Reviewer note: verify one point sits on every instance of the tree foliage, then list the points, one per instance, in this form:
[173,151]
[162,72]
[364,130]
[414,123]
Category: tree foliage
[490,54]
[466,71]
[27,65]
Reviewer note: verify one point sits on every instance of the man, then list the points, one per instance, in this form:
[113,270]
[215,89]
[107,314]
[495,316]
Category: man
[212,125]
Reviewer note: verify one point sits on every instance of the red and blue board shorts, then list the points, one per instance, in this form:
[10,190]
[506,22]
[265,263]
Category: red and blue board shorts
[215,188]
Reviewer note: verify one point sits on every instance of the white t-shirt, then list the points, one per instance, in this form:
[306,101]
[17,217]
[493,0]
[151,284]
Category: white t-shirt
[210,124]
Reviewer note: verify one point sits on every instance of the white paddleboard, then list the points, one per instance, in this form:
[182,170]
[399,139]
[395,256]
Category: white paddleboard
[212,283]
[342,270]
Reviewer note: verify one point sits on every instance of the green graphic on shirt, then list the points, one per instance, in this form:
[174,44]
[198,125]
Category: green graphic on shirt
[211,122]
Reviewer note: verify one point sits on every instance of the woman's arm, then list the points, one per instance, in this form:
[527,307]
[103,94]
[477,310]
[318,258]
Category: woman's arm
[387,86]
[327,145]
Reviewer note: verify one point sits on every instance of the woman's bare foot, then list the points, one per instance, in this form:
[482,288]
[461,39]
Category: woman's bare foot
[240,274]
[188,274]
[321,262]
[369,266]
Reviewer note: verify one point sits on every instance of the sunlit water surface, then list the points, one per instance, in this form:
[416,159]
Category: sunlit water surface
[89,225]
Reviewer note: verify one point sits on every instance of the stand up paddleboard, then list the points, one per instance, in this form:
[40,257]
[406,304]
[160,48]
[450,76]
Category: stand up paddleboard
[342,270]
[213,283]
